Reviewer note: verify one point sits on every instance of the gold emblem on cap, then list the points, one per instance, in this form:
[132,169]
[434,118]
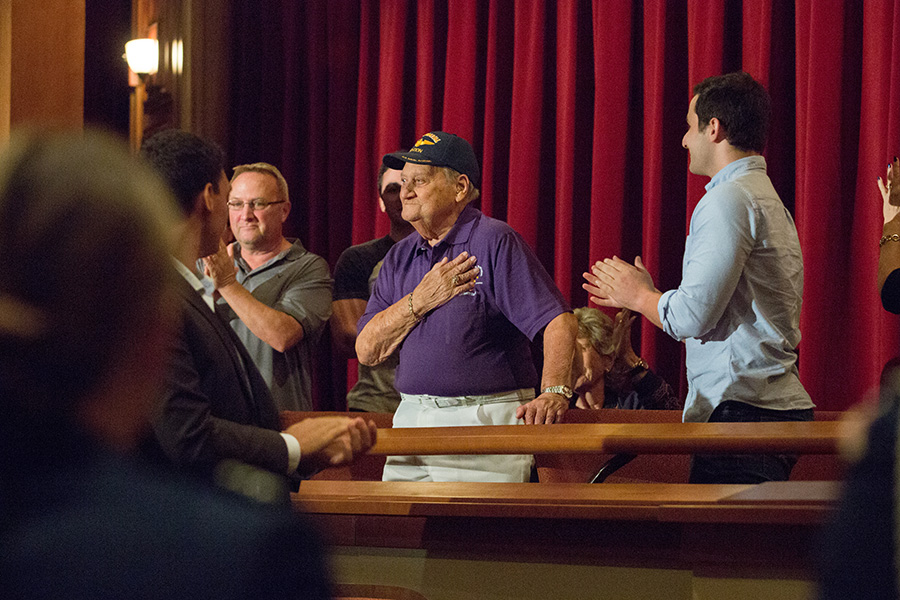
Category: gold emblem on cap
[429,139]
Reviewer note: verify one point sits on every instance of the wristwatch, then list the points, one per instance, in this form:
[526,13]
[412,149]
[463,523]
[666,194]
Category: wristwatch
[563,390]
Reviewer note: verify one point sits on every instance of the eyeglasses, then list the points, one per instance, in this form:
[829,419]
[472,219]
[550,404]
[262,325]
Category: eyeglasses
[254,205]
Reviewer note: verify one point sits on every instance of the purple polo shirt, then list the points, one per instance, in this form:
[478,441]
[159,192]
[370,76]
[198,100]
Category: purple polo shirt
[478,343]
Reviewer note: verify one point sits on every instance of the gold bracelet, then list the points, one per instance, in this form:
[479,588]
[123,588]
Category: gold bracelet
[412,311]
[888,238]
[640,365]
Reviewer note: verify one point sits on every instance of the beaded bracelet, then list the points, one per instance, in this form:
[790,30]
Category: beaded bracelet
[888,238]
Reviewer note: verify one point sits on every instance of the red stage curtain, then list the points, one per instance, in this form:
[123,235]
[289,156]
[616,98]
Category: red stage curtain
[577,109]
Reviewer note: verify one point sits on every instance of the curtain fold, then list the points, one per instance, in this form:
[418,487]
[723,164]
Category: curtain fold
[879,131]
[528,161]
[821,178]
[460,80]
[364,210]
[757,38]
[424,75]
[566,78]
[391,101]
[576,109]
[614,129]
[705,58]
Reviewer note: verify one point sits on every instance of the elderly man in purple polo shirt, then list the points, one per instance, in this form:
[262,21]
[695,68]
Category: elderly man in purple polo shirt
[461,300]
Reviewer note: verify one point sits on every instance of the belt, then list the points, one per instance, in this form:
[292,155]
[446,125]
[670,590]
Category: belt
[521,395]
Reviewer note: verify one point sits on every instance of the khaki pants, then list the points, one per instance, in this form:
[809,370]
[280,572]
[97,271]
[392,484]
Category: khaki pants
[441,411]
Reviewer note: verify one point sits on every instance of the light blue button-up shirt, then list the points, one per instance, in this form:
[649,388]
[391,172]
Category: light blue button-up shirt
[738,305]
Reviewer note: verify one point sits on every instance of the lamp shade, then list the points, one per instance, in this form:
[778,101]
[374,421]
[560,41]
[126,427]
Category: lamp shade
[142,55]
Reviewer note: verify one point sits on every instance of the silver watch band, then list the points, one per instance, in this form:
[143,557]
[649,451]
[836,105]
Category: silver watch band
[563,390]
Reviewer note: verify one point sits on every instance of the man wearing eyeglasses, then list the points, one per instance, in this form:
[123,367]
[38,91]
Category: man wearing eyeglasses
[274,292]
[216,416]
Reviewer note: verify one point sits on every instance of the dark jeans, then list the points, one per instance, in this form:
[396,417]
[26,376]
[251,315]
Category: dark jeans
[746,468]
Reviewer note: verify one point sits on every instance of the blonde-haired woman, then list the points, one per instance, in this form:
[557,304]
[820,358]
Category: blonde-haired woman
[607,372]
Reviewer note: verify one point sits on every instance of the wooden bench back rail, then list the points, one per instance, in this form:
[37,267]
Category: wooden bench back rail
[609,438]
[660,501]
[573,452]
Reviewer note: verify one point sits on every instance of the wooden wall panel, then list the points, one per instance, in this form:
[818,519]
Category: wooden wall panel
[45,63]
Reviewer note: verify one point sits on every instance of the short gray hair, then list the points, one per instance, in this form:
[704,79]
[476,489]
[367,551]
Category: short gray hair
[262,167]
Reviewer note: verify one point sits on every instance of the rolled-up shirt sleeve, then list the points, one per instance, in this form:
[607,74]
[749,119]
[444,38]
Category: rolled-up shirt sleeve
[720,240]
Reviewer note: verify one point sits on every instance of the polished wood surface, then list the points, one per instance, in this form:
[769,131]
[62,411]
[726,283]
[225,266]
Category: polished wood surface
[42,64]
[489,531]
[581,466]
[813,437]
[670,502]
[788,492]
[481,534]
[363,591]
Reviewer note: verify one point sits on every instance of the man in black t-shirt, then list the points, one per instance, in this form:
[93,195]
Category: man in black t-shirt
[354,276]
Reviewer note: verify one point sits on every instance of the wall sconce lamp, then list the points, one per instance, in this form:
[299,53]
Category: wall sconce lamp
[143,56]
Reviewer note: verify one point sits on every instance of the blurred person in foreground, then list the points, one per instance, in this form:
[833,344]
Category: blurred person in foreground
[87,309]
[606,371]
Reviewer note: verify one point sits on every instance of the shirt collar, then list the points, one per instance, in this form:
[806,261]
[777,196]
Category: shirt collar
[461,230]
[188,275]
[736,168]
[293,253]
[194,282]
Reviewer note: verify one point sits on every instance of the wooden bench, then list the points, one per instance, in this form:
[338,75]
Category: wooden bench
[664,468]
[578,467]
[567,541]
[365,468]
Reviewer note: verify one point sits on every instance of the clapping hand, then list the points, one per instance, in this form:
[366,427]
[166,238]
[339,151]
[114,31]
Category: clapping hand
[613,282]
[219,267]
[331,441]
[890,190]
[624,357]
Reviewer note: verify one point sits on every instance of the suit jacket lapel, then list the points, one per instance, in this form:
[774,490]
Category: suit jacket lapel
[222,329]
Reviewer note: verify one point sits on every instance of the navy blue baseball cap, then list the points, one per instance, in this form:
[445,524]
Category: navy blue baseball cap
[439,149]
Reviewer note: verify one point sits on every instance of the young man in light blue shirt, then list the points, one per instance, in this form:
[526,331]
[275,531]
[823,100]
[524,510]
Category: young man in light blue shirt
[738,305]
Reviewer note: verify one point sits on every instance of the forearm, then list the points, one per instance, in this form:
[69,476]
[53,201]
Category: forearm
[383,334]
[345,315]
[278,329]
[253,445]
[559,349]
[192,437]
[648,305]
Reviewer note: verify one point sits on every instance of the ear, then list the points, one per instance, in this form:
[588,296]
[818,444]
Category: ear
[715,131]
[463,185]
[285,210]
[205,200]
[209,197]
[381,205]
